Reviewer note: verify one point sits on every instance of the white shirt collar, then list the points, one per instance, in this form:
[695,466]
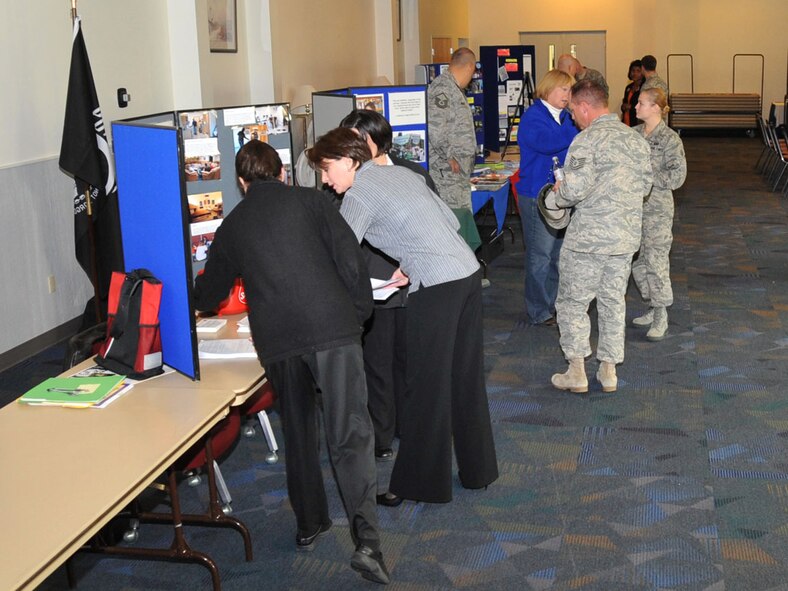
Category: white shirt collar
[556,113]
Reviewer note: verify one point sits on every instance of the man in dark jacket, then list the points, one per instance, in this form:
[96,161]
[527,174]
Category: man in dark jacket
[308,293]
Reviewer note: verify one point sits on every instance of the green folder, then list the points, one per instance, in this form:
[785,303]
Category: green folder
[80,392]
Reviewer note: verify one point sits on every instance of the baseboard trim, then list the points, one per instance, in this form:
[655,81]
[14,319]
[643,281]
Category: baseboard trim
[52,337]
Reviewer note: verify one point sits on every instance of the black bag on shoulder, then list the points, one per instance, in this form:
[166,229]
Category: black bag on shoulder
[133,343]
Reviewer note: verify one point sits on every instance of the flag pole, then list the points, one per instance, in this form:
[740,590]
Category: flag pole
[91,230]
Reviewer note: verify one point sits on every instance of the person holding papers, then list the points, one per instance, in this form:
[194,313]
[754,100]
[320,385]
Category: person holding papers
[308,292]
[445,397]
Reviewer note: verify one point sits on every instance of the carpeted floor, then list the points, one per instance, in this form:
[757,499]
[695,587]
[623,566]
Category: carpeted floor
[677,481]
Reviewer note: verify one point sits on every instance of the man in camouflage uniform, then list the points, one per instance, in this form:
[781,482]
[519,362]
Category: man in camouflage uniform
[572,66]
[451,131]
[607,175]
[650,77]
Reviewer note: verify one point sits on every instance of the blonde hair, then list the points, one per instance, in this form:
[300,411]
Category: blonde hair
[552,80]
[658,97]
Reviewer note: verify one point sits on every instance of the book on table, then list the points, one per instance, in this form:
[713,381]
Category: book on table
[81,392]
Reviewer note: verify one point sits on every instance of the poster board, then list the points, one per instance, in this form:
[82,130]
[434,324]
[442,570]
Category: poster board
[405,108]
[211,139]
[503,73]
[176,182]
[153,213]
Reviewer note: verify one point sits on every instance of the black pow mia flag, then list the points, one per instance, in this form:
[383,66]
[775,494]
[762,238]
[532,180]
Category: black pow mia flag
[85,155]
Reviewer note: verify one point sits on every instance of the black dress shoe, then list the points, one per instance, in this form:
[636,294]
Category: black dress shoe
[550,321]
[307,543]
[369,564]
[384,454]
[388,499]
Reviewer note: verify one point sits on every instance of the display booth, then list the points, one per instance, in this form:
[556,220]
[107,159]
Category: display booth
[405,108]
[176,182]
[507,79]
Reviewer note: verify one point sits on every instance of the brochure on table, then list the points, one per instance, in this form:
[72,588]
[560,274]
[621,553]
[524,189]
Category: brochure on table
[504,69]
[405,108]
[176,182]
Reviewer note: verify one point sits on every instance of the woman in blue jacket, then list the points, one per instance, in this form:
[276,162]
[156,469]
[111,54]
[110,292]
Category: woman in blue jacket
[546,130]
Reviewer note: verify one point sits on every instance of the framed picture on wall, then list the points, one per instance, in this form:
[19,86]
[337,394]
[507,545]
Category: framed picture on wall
[222,26]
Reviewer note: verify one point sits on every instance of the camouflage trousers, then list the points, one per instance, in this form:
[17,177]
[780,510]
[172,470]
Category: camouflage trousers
[453,189]
[651,269]
[583,277]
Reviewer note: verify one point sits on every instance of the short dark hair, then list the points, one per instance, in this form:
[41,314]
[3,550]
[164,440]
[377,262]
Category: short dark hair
[257,161]
[633,64]
[339,143]
[649,62]
[589,91]
[370,124]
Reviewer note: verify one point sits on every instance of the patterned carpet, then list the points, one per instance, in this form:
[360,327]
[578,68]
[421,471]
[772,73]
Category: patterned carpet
[678,481]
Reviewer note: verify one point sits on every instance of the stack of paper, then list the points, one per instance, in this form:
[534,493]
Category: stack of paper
[243,326]
[382,289]
[227,349]
[210,325]
[85,392]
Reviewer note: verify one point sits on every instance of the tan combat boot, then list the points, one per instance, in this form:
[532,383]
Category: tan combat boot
[645,320]
[606,375]
[659,327]
[574,379]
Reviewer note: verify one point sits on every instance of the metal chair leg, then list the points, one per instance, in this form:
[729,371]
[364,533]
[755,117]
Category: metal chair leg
[270,438]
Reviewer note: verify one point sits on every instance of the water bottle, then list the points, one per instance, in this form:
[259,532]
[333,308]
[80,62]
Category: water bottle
[558,172]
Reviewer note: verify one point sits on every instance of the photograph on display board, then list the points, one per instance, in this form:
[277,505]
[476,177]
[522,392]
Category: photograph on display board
[198,124]
[241,135]
[275,118]
[200,146]
[371,102]
[409,145]
[202,161]
[202,237]
[287,164]
[205,207]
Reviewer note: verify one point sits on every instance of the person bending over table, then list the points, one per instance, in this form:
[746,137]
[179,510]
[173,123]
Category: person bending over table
[445,398]
[385,335]
[308,293]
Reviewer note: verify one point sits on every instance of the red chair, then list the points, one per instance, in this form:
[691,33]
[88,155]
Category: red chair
[258,404]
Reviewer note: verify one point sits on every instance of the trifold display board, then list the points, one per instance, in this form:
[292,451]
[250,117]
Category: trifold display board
[405,107]
[153,219]
[176,182]
[503,72]
[426,73]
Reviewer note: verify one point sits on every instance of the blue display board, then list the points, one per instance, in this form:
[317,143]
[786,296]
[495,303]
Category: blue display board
[405,108]
[154,220]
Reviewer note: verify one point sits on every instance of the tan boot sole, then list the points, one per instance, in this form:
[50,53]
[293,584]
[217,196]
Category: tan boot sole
[575,390]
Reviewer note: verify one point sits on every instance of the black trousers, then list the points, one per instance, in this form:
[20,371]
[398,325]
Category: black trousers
[339,375]
[446,399]
[384,365]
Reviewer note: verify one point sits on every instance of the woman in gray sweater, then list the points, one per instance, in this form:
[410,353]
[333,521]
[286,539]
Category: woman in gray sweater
[445,400]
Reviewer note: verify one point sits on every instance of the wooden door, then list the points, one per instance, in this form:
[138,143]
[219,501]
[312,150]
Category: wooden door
[441,50]
[587,46]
